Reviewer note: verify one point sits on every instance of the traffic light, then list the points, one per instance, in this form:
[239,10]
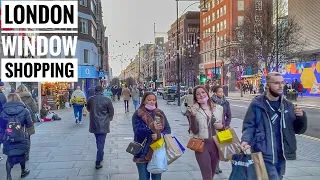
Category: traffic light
[203,78]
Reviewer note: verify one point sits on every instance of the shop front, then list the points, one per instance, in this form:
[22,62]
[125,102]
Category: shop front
[88,76]
[213,74]
[56,94]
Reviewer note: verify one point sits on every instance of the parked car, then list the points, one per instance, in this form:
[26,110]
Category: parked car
[160,91]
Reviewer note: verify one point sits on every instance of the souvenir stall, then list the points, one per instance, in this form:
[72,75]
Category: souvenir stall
[56,94]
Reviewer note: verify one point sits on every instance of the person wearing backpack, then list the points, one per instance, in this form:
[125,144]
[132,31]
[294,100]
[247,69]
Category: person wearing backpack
[3,100]
[14,119]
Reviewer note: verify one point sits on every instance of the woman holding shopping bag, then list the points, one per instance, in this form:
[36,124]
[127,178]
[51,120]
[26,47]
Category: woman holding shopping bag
[205,117]
[146,127]
[219,98]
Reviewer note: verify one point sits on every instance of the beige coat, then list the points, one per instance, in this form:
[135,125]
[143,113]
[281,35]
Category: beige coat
[126,94]
[201,119]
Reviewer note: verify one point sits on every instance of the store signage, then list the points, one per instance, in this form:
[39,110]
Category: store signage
[87,71]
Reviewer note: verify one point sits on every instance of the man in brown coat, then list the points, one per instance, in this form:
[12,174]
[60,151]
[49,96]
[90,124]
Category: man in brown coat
[126,97]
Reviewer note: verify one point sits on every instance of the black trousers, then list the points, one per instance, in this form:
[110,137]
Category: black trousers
[100,141]
[126,105]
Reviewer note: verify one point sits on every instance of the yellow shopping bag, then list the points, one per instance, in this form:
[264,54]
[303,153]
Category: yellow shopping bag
[224,136]
[158,144]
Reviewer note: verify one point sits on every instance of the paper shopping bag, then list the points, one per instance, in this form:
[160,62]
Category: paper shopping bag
[227,149]
[84,112]
[158,144]
[173,151]
[224,136]
[260,166]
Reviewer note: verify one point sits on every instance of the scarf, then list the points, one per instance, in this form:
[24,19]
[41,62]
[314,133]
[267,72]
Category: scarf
[145,115]
[218,100]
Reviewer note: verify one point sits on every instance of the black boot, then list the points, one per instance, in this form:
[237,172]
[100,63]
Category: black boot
[98,165]
[24,173]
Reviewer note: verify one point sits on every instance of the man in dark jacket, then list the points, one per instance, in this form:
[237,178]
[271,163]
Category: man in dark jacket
[270,125]
[3,100]
[101,113]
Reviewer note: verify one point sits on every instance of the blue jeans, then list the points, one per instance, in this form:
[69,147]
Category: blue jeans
[276,171]
[100,141]
[136,104]
[77,110]
[144,174]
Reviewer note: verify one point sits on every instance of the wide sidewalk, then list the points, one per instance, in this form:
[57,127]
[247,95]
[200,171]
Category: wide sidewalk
[306,101]
[64,150]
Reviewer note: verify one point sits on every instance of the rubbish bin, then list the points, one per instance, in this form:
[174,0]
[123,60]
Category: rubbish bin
[225,90]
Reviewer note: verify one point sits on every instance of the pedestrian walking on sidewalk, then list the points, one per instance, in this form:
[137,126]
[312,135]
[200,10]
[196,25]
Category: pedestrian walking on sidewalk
[188,101]
[219,98]
[27,99]
[145,127]
[135,97]
[78,100]
[126,97]
[205,117]
[3,100]
[101,113]
[270,125]
[14,118]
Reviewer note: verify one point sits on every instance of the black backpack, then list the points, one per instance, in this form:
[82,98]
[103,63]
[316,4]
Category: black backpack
[15,132]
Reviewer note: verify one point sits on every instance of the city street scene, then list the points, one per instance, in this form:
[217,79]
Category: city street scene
[172,90]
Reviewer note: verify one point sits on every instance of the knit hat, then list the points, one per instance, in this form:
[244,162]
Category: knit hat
[1,83]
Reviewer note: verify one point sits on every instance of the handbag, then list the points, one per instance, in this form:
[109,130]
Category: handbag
[135,148]
[196,144]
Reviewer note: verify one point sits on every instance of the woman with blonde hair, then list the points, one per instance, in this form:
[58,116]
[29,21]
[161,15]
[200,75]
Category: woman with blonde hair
[205,117]
[15,114]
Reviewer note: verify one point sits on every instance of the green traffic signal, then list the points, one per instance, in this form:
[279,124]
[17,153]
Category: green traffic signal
[203,78]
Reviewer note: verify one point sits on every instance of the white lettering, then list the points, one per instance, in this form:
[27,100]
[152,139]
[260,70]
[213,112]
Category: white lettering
[9,44]
[53,46]
[70,44]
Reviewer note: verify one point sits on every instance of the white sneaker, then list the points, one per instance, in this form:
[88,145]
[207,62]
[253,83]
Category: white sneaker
[1,158]
[79,122]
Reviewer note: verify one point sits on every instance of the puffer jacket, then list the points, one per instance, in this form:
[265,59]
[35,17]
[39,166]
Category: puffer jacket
[257,129]
[3,100]
[101,113]
[78,98]
[19,110]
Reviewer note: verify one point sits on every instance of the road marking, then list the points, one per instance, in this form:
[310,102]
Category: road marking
[308,137]
[301,135]
[238,106]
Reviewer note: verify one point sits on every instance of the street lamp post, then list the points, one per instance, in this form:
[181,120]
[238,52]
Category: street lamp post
[139,63]
[204,9]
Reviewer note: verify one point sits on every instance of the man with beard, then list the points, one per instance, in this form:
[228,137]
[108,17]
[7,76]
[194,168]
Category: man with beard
[270,125]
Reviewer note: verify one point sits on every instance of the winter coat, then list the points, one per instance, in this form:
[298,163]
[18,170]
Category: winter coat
[189,99]
[78,98]
[135,95]
[145,128]
[90,92]
[27,99]
[107,93]
[19,110]
[226,109]
[3,100]
[101,113]
[257,129]
[126,94]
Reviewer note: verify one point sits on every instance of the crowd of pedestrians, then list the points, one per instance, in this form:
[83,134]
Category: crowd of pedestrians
[269,126]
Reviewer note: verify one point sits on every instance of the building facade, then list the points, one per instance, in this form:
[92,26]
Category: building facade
[189,39]
[216,35]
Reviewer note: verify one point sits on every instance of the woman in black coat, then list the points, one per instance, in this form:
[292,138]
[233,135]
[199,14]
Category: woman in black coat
[15,110]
